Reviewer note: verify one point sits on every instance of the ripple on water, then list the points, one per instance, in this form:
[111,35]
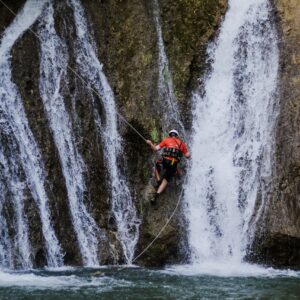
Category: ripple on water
[45,280]
[176,282]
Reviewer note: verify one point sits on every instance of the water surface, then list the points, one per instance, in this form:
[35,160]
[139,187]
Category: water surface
[139,283]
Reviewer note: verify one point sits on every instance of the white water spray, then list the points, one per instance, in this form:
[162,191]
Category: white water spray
[167,98]
[53,70]
[12,187]
[232,142]
[6,255]
[14,123]
[91,69]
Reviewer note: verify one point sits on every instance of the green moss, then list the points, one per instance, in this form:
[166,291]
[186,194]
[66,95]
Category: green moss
[154,135]
[146,59]
[146,172]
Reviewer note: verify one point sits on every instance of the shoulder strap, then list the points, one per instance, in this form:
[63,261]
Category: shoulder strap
[179,146]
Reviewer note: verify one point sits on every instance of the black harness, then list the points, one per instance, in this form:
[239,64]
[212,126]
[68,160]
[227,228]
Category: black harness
[173,152]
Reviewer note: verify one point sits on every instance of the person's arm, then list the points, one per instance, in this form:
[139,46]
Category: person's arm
[188,155]
[153,147]
[185,151]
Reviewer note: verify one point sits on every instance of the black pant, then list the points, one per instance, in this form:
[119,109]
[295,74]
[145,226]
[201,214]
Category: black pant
[169,167]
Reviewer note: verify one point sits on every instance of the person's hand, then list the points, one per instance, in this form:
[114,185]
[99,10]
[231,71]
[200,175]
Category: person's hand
[148,142]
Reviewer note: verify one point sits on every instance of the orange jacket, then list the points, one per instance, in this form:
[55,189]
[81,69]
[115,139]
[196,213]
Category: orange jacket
[172,142]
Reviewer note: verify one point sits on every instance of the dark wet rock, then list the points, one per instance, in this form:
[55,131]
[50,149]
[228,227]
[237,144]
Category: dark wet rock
[187,26]
[156,215]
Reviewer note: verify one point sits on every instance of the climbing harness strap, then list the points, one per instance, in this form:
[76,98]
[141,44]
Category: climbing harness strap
[172,152]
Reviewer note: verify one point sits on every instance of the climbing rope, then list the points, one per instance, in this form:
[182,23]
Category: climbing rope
[132,127]
[166,224]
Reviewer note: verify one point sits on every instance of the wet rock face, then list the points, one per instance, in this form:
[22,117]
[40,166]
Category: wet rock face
[279,231]
[168,247]
[126,39]
[127,43]
[127,46]
[187,25]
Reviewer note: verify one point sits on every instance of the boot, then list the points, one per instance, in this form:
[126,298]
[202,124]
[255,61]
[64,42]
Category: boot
[154,199]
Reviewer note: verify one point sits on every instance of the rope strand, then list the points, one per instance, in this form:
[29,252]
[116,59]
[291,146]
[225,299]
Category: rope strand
[166,224]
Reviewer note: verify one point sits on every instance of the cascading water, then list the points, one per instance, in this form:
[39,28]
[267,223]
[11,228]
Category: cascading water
[54,60]
[19,139]
[91,69]
[167,99]
[6,256]
[12,187]
[232,142]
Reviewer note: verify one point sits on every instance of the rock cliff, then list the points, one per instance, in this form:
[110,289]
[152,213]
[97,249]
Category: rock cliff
[126,40]
[127,43]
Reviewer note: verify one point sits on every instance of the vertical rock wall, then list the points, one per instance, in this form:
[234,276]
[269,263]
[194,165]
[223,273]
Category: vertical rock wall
[127,46]
[127,43]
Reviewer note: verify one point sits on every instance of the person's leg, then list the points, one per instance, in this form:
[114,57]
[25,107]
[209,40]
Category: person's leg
[157,170]
[165,165]
[157,177]
[162,186]
[169,174]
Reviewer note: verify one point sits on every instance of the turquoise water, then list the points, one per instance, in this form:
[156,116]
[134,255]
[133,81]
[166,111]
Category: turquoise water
[141,283]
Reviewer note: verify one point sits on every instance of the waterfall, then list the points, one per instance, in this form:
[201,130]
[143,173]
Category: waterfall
[90,68]
[13,187]
[17,140]
[6,256]
[167,98]
[53,70]
[233,133]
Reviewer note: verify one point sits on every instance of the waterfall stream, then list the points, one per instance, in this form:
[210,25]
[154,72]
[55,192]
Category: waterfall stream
[6,256]
[54,60]
[92,70]
[13,188]
[167,98]
[233,134]
[18,138]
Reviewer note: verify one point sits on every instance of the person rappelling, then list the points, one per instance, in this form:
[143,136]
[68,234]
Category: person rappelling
[173,150]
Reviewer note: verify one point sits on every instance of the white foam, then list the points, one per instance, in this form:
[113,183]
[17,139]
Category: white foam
[223,269]
[58,282]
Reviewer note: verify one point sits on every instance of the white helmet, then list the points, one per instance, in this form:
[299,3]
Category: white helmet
[173,132]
